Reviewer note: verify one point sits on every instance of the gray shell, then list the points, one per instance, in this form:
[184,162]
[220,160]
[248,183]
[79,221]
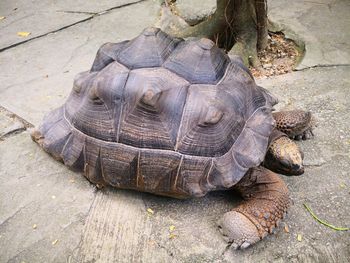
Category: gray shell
[162,115]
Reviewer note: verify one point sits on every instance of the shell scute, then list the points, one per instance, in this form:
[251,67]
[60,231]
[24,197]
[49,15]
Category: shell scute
[198,62]
[150,49]
[96,112]
[154,100]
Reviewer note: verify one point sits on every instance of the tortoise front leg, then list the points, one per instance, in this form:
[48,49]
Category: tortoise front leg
[266,202]
[297,124]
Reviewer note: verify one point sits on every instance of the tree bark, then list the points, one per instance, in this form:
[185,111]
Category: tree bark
[261,18]
[238,26]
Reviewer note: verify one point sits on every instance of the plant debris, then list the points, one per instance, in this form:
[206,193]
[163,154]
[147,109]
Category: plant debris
[299,237]
[150,211]
[286,228]
[23,34]
[278,58]
[323,222]
[54,242]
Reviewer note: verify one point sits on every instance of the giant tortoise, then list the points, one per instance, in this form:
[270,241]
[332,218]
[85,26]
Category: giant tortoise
[180,118]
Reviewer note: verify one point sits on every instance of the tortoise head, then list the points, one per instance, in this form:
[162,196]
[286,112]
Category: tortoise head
[285,157]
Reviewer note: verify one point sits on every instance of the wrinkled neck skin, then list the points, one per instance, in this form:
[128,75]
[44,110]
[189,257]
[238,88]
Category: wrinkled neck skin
[284,157]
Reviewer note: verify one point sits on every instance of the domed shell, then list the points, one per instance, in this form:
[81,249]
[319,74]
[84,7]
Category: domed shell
[162,115]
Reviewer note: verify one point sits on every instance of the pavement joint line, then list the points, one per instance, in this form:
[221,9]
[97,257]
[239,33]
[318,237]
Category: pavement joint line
[70,25]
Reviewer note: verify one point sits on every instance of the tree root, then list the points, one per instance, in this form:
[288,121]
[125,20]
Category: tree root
[237,26]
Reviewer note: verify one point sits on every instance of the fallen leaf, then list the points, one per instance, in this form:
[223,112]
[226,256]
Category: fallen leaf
[172,236]
[54,242]
[2,17]
[286,228]
[299,237]
[35,226]
[23,34]
[171,228]
[150,211]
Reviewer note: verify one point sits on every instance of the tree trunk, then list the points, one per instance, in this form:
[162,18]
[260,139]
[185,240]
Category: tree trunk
[238,26]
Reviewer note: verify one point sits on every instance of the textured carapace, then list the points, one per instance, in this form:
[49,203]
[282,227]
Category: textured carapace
[162,115]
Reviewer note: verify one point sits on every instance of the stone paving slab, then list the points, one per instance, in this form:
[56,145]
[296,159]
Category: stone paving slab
[114,225]
[38,75]
[47,16]
[37,190]
[323,25]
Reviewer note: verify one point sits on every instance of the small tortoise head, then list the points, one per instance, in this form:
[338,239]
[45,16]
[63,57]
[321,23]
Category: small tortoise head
[285,157]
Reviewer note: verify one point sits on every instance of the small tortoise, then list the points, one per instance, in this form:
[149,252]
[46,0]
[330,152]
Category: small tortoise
[180,118]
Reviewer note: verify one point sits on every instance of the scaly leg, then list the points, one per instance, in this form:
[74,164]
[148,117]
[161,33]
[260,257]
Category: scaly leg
[297,124]
[266,202]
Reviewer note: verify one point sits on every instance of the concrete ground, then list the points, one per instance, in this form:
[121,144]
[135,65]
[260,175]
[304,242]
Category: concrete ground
[51,214]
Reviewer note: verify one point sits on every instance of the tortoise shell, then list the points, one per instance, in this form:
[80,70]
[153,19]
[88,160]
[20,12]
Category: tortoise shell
[162,115]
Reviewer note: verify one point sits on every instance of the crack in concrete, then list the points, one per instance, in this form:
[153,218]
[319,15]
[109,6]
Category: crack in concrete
[169,253]
[19,126]
[323,66]
[48,33]
[76,252]
[93,15]
[77,12]
[12,132]
[9,113]
[14,214]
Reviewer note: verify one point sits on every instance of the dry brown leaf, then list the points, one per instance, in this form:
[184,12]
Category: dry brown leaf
[286,228]
[23,34]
